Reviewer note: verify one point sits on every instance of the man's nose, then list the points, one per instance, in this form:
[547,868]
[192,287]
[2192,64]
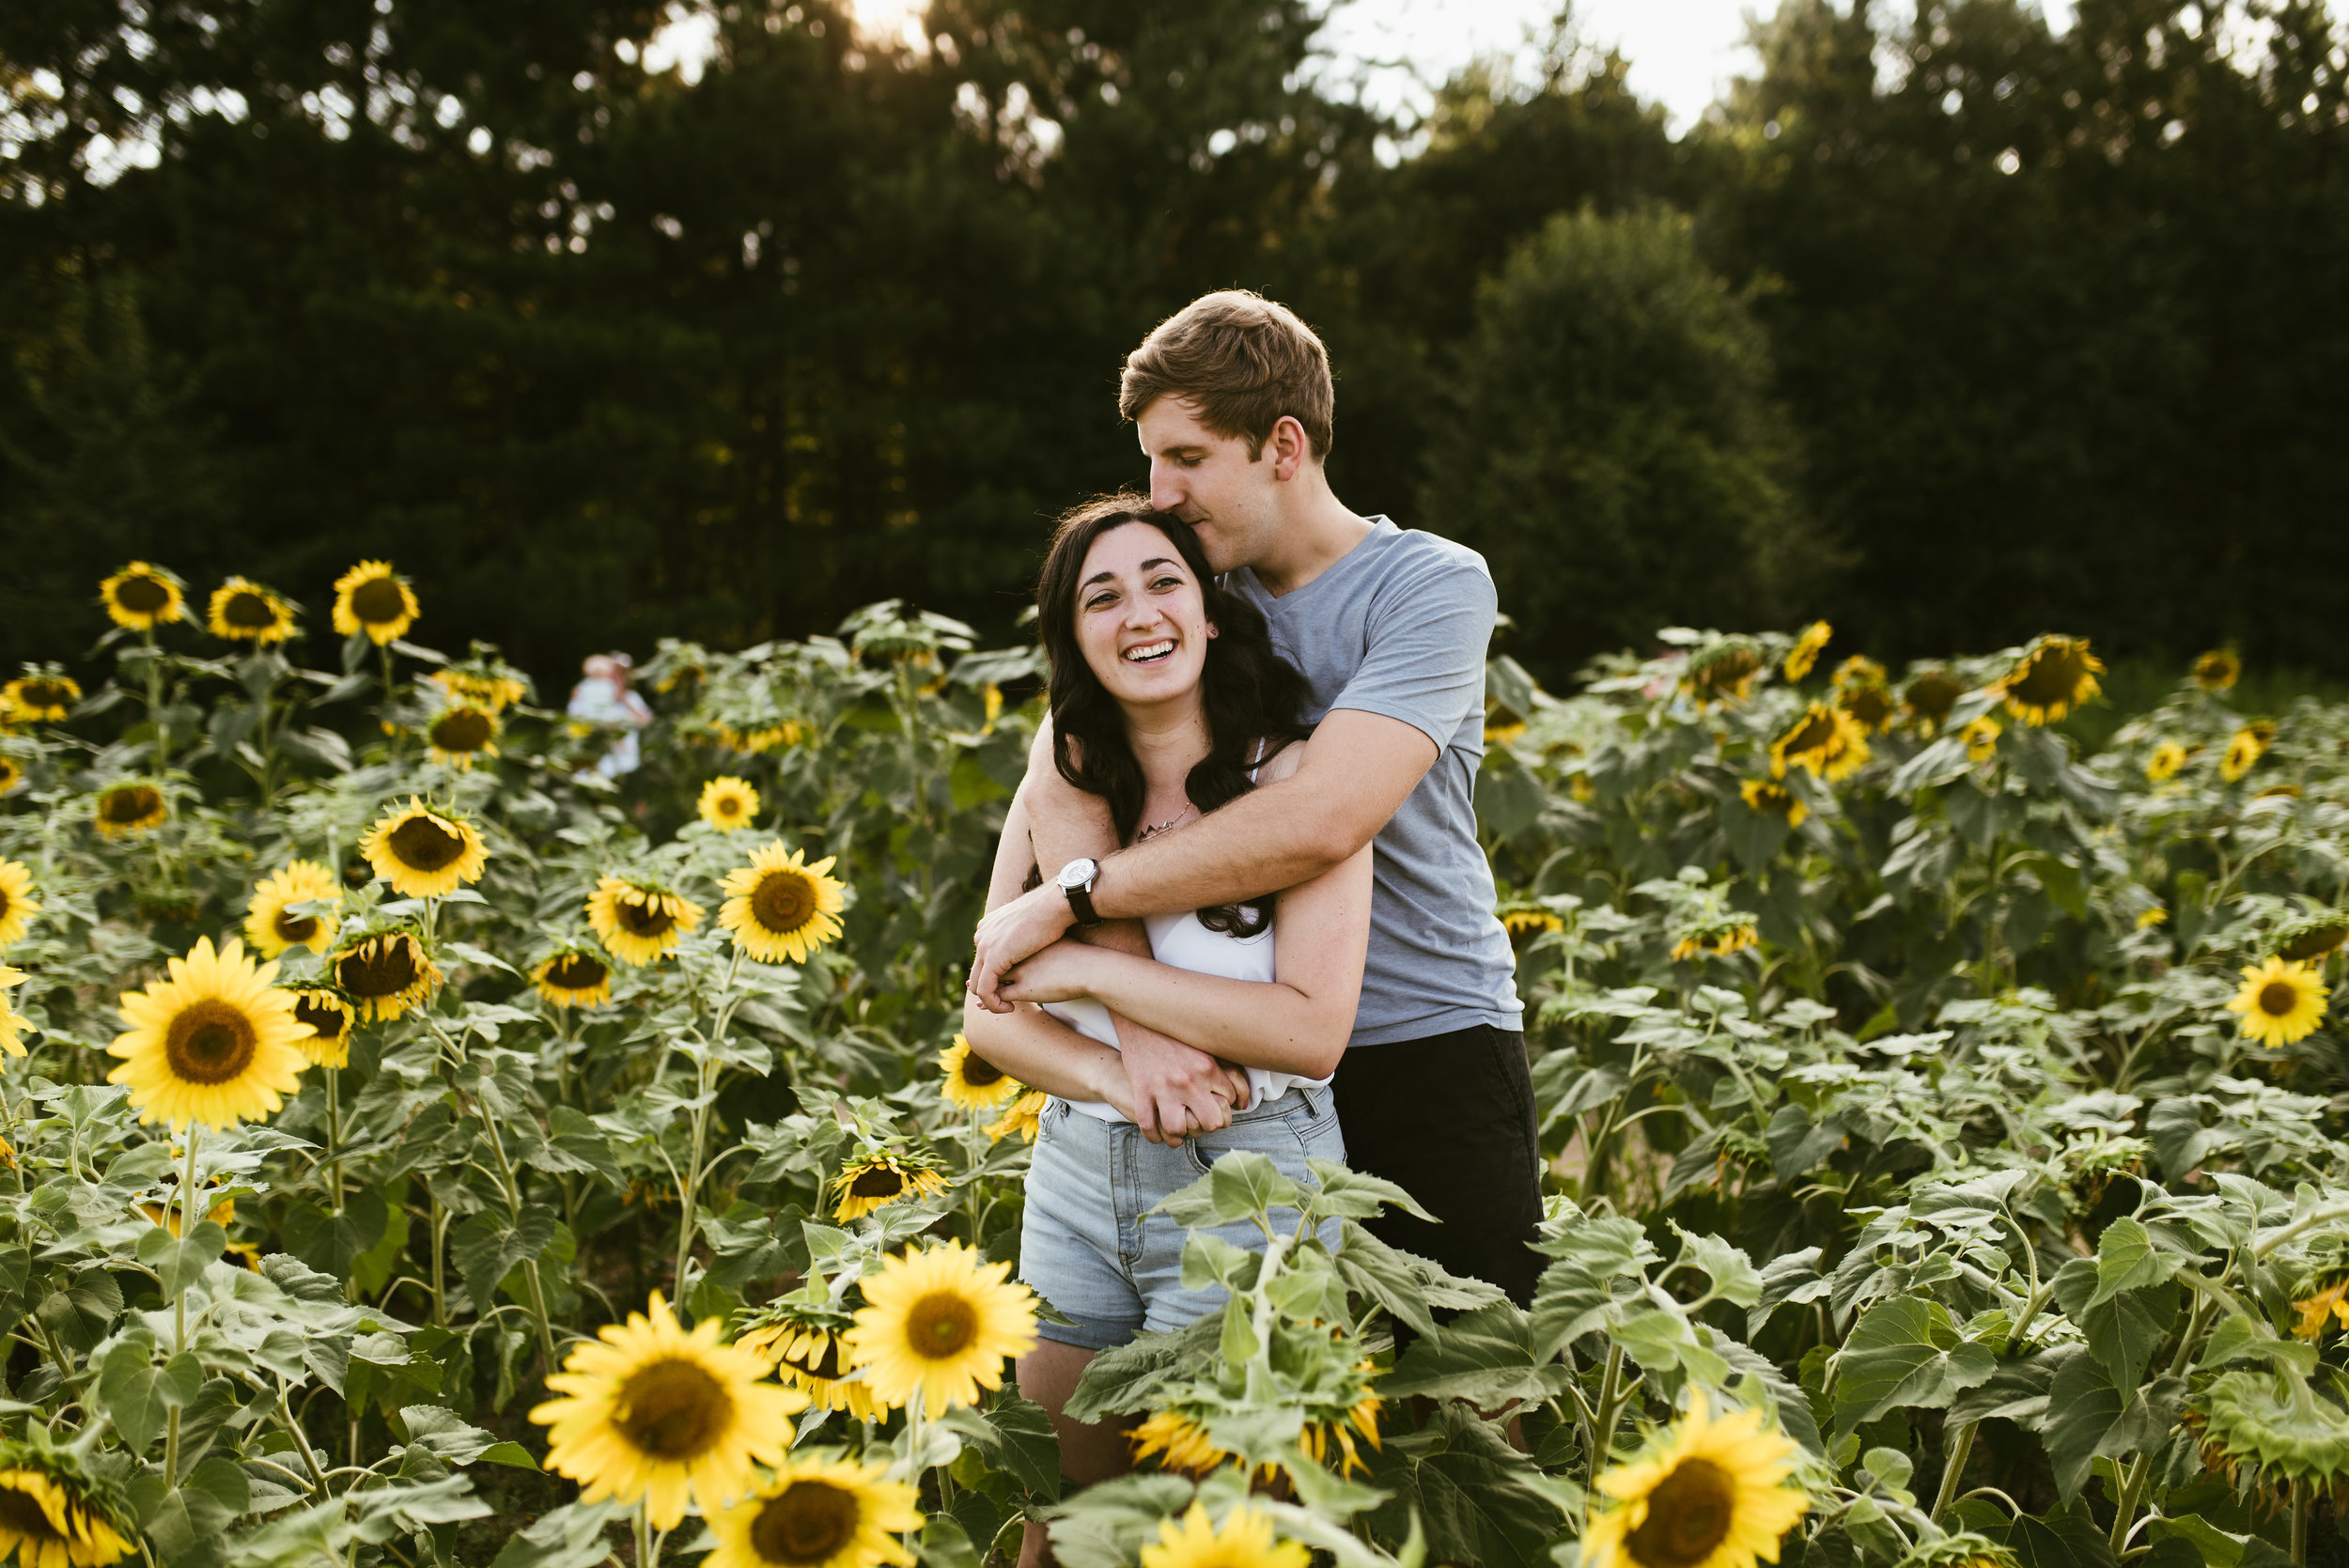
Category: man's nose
[1166,491]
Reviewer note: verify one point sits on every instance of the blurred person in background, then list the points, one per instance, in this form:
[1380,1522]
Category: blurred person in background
[606,698]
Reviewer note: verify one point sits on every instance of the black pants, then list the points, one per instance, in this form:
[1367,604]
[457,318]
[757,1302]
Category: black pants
[1450,1120]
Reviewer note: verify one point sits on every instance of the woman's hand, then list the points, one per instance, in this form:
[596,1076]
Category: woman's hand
[1057,973]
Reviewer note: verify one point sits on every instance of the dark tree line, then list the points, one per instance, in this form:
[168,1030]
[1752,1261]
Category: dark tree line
[1949,333]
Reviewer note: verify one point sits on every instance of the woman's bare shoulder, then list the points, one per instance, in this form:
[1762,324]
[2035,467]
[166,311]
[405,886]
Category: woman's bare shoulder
[1283,763]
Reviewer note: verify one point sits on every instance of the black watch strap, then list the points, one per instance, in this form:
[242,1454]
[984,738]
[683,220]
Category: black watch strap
[1080,901]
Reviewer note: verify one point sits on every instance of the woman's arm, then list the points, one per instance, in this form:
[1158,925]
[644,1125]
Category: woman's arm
[1297,1024]
[1028,1043]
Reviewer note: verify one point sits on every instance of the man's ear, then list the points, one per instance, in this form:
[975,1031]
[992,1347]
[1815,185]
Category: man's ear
[1289,447]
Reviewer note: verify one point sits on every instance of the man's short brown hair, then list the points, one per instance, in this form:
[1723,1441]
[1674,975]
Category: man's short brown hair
[1242,362]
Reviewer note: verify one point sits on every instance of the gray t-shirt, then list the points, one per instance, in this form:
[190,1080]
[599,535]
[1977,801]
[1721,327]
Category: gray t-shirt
[1399,627]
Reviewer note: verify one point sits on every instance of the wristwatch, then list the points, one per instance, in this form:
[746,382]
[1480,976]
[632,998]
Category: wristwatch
[1076,880]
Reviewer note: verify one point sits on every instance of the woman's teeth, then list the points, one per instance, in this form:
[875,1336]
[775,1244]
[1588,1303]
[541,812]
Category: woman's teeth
[1150,653]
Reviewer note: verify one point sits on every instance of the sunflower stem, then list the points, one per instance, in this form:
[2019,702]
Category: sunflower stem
[1960,1451]
[155,702]
[647,1548]
[2133,1487]
[687,1188]
[440,1257]
[2299,1520]
[301,1439]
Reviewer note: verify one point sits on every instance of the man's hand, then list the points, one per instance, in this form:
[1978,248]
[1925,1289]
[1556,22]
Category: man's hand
[1035,920]
[1179,1093]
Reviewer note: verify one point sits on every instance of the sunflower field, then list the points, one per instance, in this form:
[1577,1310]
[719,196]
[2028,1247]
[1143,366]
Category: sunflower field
[423,1148]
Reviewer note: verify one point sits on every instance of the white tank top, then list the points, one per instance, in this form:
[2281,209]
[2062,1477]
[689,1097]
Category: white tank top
[1183,942]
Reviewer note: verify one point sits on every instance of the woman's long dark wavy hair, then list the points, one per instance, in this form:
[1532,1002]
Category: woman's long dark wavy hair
[1255,700]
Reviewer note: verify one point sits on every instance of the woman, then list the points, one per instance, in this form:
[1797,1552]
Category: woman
[1168,701]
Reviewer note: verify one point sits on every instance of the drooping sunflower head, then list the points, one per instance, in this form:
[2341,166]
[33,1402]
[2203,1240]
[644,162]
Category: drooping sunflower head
[1860,691]
[52,1519]
[1722,671]
[1025,1117]
[819,1512]
[17,906]
[780,908]
[1773,799]
[2273,1426]
[728,803]
[1715,938]
[1964,1550]
[2163,762]
[484,682]
[460,734]
[2244,749]
[1529,923]
[653,1412]
[423,853]
[806,1343]
[941,1321]
[1177,1442]
[11,775]
[43,694]
[271,924]
[215,1043]
[2217,670]
[2280,1002]
[574,977]
[1982,737]
[244,611]
[1707,1494]
[373,599]
[328,1016]
[1929,696]
[2055,675]
[142,597]
[638,921]
[878,1177]
[1808,644]
[973,1082]
[133,806]
[1826,740]
[2303,940]
[383,973]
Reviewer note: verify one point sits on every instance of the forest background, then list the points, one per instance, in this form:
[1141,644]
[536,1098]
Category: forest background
[1948,327]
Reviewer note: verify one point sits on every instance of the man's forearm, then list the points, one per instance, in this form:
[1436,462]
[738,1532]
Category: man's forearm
[1273,837]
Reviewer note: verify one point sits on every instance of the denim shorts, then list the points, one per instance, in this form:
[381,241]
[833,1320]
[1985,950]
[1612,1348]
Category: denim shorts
[1085,1245]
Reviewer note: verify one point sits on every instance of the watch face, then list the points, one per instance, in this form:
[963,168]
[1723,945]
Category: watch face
[1076,874]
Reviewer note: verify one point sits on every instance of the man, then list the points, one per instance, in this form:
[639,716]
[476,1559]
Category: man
[1234,403]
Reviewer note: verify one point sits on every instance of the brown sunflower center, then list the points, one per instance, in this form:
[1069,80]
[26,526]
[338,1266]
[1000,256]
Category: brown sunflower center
[644,915]
[46,693]
[142,595]
[674,1410]
[941,1324]
[882,1181]
[784,900]
[979,1073]
[425,844]
[576,972]
[463,729]
[2277,997]
[250,610]
[2314,944]
[131,803]
[210,1041]
[1771,798]
[24,1516]
[321,1016]
[1931,697]
[383,967]
[296,928]
[807,1522]
[379,601]
[826,1366]
[1811,735]
[6,903]
[728,805]
[2053,676]
[1870,704]
[1689,1515]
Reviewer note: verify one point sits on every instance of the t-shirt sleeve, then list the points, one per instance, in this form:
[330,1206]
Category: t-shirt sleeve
[1429,633]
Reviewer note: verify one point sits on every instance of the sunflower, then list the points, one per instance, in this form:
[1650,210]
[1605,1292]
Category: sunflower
[781,909]
[637,923]
[1807,649]
[1524,924]
[129,808]
[1981,738]
[1721,671]
[1772,800]
[2148,919]
[766,738]
[370,598]
[215,1044]
[2248,745]
[483,684]
[1826,741]
[574,978]
[422,854]
[49,1523]
[1177,1443]
[1244,1540]
[1718,940]
[1860,690]
[940,1322]
[1708,1494]
[813,1358]
[1929,696]
[2303,940]
[2280,1002]
[728,803]
[17,908]
[657,1413]
[11,775]
[40,696]
[1025,1117]
[818,1514]
[328,1018]
[2217,670]
[244,611]
[11,1023]
[875,1181]
[2055,675]
[1501,735]
[141,597]
[2329,1301]
[2163,765]
[460,734]
[974,1083]
[268,925]
[384,973]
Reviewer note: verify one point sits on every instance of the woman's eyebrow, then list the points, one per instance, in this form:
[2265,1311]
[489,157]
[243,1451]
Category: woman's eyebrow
[1112,577]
